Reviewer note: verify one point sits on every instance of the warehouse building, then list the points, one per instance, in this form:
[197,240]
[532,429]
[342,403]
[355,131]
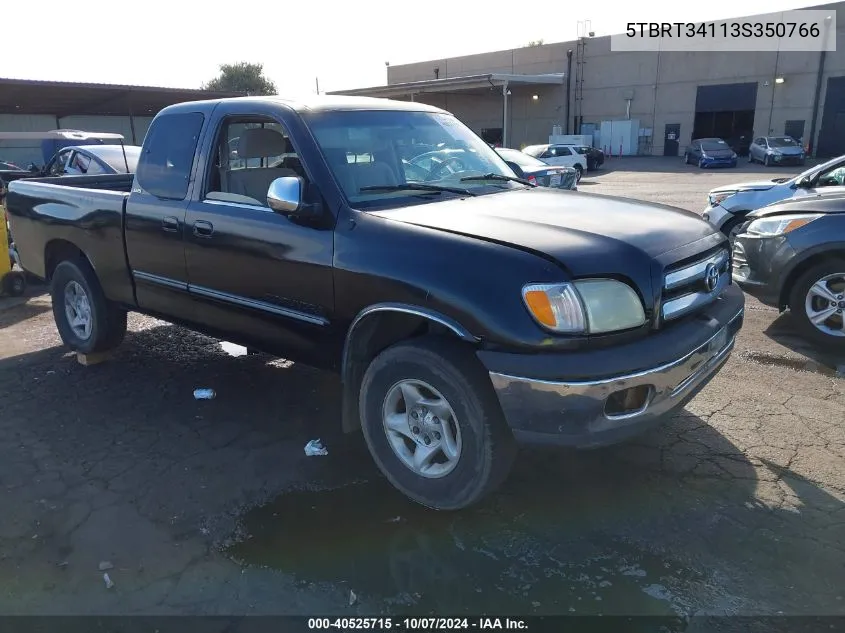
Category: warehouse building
[40,106]
[521,96]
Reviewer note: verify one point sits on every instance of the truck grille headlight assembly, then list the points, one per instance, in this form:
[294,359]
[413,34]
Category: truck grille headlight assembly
[586,306]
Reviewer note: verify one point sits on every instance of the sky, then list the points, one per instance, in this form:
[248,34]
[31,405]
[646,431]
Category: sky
[181,44]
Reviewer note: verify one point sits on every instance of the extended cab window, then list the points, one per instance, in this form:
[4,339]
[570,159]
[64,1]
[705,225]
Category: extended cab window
[59,164]
[164,168]
[250,153]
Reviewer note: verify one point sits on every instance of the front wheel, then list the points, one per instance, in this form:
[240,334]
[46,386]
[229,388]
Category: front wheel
[686,159]
[817,302]
[731,228]
[433,424]
[579,171]
[767,161]
[86,320]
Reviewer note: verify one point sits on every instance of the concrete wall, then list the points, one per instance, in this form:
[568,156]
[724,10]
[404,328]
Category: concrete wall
[662,86]
[24,152]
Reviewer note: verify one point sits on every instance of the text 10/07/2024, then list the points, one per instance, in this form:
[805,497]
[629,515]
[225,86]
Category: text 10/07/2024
[418,624]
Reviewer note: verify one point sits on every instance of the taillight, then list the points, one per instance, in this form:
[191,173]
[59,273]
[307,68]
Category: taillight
[532,180]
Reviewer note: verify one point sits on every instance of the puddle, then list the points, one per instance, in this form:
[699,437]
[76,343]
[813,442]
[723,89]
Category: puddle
[798,364]
[232,349]
[528,559]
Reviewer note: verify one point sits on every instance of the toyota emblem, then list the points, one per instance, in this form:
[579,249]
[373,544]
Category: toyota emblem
[711,277]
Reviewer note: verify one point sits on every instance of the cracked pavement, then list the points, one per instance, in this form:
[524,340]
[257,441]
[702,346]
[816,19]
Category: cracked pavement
[736,506]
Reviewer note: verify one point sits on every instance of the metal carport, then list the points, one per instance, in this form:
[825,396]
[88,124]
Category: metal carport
[409,90]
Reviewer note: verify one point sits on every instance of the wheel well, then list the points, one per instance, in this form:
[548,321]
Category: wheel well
[368,338]
[58,251]
[800,269]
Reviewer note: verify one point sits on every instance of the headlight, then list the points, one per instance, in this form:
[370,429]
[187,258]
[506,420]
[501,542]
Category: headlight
[780,224]
[717,197]
[591,306]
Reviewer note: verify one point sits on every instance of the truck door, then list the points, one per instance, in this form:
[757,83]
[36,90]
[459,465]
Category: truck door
[262,277]
[155,215]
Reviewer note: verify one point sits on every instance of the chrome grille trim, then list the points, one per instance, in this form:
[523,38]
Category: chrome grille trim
[685,304]
[739,259]
[688,287]
[693,272]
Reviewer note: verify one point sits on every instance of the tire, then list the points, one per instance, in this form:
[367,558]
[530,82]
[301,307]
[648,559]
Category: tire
[799,298]
[767,161]
[14,284]
[487,448]
[579,172]
[107,322]
[701,163]
[686,159]
[750,159]
[730,226]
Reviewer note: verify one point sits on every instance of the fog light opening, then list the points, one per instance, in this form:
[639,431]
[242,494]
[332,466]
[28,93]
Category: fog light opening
[628,402]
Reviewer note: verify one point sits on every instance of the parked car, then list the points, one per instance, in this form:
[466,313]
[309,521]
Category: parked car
[536,171]
[776,150]
[93,159]
[595,156]
[727,206]
[710,152]
[465,314]
[564,155]
[792,255]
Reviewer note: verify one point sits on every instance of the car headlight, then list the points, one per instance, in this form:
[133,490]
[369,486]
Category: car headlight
[718,196]
[780,224]
[587,306]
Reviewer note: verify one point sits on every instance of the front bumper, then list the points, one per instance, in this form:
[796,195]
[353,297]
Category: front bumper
[787,160]
[680,361]
[717,215]
[718,162]
[759,264]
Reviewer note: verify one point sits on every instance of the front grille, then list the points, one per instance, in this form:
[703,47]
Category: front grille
[692,285]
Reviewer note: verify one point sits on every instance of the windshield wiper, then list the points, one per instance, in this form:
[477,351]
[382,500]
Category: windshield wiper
[521,181]
[414,186]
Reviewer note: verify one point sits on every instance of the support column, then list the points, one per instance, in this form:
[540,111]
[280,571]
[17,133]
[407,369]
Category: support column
[505,115]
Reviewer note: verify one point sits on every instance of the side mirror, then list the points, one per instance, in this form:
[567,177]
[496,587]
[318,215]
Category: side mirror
[285,194]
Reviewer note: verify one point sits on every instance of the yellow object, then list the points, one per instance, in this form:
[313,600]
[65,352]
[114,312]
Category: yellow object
[12,282]
[540,306]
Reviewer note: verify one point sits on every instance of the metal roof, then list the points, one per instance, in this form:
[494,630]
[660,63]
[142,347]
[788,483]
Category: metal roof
[454,84]
[61,98]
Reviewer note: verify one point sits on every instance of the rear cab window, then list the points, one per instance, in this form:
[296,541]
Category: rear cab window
[167,158]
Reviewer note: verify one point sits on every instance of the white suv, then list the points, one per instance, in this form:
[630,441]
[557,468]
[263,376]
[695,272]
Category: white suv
[565,155]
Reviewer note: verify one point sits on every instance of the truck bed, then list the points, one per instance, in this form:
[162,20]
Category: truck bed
[47,215]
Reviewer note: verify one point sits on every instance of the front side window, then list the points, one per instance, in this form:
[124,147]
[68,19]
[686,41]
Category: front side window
[832,178]
[59,164]
[251,152]
[79,163]
[374,154]
[164,169]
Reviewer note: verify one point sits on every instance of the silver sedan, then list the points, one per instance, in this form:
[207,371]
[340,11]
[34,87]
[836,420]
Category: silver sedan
[776,150]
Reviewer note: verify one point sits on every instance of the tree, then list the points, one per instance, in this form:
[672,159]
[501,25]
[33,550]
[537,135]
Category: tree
[242,77]
[535,43]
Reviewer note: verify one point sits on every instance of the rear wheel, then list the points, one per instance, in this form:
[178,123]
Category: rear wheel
[817,302]
[14,284]
[86,320]
[433,425]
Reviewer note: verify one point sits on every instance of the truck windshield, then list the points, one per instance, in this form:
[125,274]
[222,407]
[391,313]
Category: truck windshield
[372,153]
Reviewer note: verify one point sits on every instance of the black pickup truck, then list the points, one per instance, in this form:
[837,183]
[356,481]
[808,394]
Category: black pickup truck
[467,311]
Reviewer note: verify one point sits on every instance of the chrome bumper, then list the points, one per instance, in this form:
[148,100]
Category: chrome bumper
[574,413]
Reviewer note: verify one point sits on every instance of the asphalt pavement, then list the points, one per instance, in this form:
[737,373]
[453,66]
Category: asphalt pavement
[736,506]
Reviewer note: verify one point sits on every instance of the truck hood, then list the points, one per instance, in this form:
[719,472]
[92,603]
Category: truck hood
[585,233]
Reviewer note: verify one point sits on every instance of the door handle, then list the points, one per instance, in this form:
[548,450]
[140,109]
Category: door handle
[203,228]
[170,224]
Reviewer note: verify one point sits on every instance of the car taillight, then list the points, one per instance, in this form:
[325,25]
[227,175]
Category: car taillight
[532,180]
